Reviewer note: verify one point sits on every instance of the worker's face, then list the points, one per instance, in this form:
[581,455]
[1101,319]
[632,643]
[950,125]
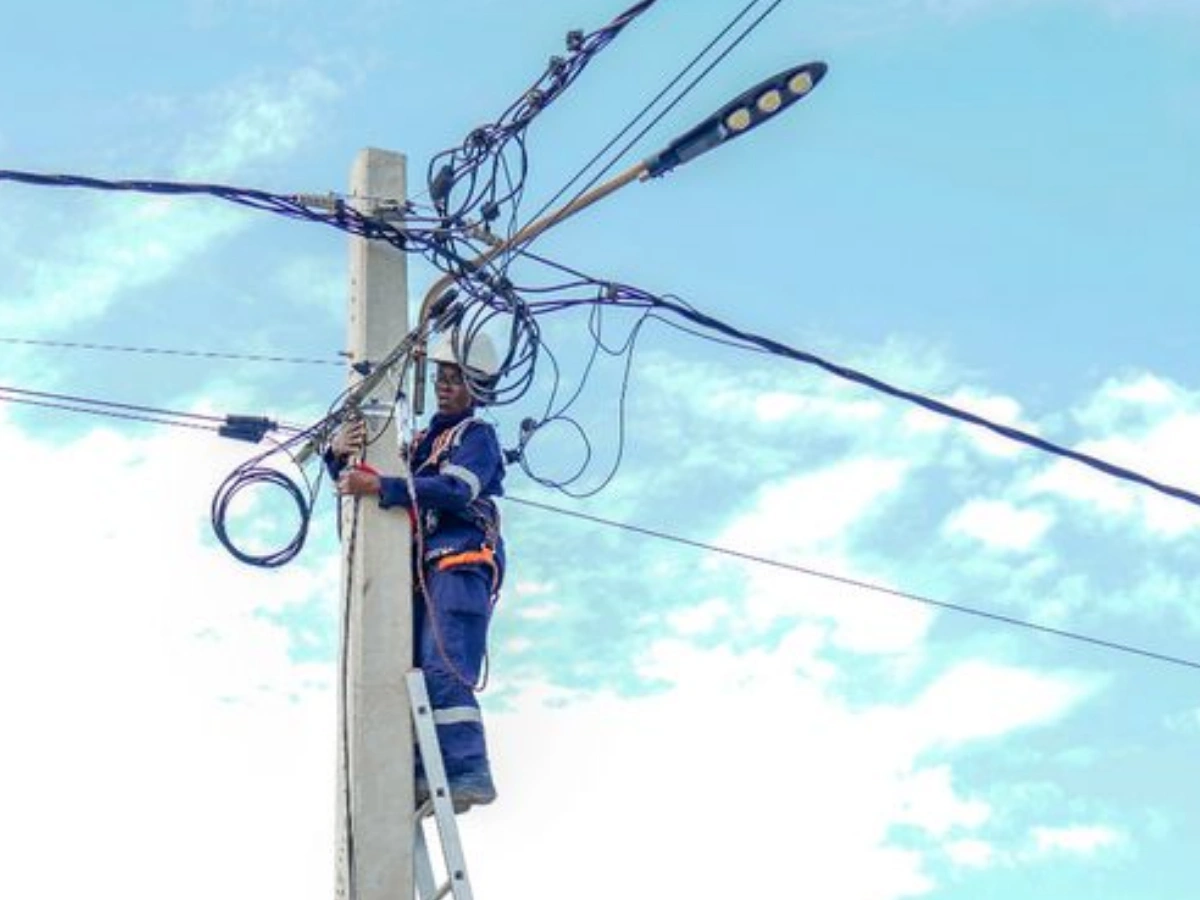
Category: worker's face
[452,394]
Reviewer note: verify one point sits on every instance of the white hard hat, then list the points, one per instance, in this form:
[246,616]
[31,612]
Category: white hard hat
[481,354]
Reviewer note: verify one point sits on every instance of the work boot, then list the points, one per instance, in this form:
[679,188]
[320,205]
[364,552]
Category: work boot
[472,789]
[466,790]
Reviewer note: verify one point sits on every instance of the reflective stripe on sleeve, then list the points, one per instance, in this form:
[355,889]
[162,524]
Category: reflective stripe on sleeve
[466,476]
[456,715]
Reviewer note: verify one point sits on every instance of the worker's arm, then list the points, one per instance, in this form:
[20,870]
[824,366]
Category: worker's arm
[474,465]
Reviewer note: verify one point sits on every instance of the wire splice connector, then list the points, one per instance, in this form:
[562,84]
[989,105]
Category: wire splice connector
[251,429]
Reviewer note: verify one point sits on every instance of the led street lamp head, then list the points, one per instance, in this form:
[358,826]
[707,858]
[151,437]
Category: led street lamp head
[747,111]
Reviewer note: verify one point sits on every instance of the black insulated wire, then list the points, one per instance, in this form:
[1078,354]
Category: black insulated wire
[252,475]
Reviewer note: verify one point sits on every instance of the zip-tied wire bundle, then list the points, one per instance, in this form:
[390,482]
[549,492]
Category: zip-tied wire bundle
[507,318]
[597,167]
[384,219]
[487,172]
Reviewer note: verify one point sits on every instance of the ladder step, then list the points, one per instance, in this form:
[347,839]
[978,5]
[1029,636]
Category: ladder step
[439,805]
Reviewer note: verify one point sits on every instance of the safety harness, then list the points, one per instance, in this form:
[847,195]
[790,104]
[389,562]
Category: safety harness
[481,512]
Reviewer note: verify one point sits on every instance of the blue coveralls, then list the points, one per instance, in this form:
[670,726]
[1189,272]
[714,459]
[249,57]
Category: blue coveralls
[457,467]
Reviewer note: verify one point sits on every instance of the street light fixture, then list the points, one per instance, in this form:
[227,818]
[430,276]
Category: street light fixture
[749,110]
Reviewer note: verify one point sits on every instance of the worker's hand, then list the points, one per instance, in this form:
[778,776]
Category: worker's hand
[350,440]
[358,482]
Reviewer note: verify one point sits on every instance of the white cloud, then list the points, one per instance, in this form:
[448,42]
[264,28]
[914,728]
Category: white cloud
[808,521]
[1152,426]
[255,121]
[995,408]
[748,764]
[700,618]
[167,713]
[530,600]
[950,710]
[674,775]
[971,853]
[156,707]
[133,248]
[814,510]
[1141,389]
[132,242]
[930,802]
[1079,840]
[778,406]
[999,524]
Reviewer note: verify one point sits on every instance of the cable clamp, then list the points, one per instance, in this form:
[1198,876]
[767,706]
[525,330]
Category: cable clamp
[251,429]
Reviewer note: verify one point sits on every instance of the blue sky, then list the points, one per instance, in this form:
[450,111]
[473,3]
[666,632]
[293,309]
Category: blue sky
[990,201]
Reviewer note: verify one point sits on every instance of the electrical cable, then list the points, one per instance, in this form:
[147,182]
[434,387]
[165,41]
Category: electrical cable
[109,404]
[130,417]
[330,210]
[457,185]
[933,405]
[559,414]
[648,532]
[344,711]
[616,294]
[488,292]
[130,411]
[670,106]
[637,118]
[867,586]
[164,351]
[249,475]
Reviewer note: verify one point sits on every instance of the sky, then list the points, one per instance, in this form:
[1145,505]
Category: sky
[990,202]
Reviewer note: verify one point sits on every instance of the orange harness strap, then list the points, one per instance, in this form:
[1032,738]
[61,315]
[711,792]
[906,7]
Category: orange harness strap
[484,556]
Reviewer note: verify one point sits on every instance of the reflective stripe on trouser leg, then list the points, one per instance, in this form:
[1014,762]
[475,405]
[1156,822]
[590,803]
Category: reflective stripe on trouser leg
[457,715]
[461,602]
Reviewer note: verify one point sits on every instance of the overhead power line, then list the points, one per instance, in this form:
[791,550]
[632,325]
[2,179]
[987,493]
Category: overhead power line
[614,295]
[487,292]
[111,414]
[867,586]
[930,403]
[127,411]
[645,111]
[167,351]
[233,426]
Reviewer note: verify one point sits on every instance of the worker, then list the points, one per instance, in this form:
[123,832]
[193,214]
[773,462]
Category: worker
[457,469]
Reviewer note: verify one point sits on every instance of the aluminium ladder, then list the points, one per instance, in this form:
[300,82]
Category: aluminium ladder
[457,884]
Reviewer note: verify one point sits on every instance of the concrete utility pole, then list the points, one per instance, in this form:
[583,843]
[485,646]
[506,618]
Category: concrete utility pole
[375,741]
